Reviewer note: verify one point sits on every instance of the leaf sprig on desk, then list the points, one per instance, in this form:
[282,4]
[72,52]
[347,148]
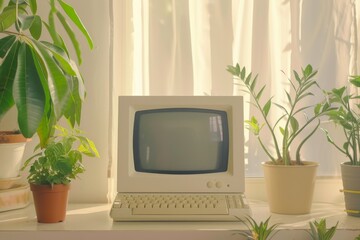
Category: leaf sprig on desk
[319,231]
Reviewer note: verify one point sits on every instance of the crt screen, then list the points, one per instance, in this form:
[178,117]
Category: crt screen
[181,141]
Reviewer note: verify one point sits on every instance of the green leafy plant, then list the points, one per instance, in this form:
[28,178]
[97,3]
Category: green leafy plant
[357,238]
[291,113]
[346,115]
[37,75]
[60,161]
[319,231]
[259,231]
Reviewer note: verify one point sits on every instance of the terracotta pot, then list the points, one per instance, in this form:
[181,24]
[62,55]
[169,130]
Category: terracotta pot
[50,202]
[12,146]
[351,182]
[290,188]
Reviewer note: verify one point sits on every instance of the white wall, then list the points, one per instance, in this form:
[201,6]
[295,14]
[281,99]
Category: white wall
[93,186]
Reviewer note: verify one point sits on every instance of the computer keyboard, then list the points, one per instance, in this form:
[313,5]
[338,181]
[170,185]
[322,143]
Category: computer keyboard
[179,207]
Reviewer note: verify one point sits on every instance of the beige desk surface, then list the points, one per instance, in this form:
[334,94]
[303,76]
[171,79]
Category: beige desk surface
[92,221]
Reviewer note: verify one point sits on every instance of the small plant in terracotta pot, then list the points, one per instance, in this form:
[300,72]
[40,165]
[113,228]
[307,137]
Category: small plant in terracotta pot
[53,168]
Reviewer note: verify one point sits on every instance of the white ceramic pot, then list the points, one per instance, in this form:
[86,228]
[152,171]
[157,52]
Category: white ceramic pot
[290,188]
[11,159]
[12,146]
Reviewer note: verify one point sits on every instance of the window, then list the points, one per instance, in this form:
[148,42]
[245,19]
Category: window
[173,47]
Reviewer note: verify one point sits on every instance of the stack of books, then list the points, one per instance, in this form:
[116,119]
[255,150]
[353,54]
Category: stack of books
[14,194]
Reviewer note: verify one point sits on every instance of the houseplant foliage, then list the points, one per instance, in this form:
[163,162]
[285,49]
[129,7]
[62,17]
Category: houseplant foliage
[60,161]
[292,112]
[347,116]
[319,231]
[289,180]
[53,168]
[259,231]
[37,75]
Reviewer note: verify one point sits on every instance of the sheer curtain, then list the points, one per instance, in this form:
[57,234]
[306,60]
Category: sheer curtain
[182,47]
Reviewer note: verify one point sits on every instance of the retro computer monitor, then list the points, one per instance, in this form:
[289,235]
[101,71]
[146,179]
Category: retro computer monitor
[180,144]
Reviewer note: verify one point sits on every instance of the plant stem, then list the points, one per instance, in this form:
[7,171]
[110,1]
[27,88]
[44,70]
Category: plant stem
[298,160]
[277,149]
[286,142]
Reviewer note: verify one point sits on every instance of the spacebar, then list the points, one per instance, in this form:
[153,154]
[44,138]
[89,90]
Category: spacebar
[179,211]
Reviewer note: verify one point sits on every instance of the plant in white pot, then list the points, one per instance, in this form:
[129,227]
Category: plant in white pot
[53,168]
[347,116]
[12,146]
[289,180]
[37,75]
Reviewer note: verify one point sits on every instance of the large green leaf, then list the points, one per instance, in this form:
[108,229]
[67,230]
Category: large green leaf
[71,35]
[25,21]
[36,27]
[62,58]
[57,83]
[57,39]
[28,92]
[80,81]
[33,6]
[46,127]
[51,27]
[7,18]
[70,11]
[72,111]
[7,73]
[5,44]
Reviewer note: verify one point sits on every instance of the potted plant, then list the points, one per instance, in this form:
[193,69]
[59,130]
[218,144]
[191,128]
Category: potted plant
[37,75]
[319,231]
[53,168]
[289,180]
[347,116]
